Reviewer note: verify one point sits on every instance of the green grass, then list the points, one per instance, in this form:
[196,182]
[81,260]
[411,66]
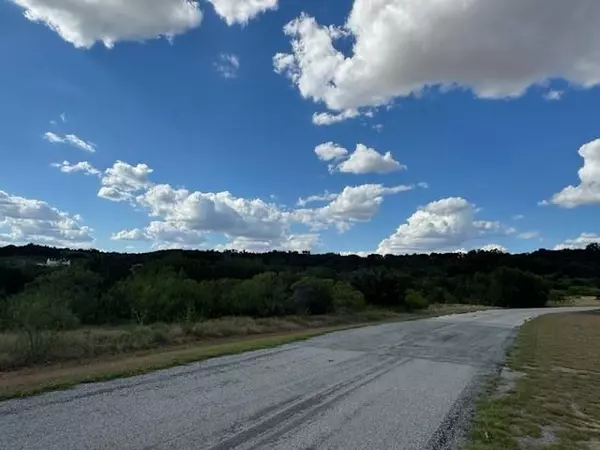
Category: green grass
[215,338]
[556,404]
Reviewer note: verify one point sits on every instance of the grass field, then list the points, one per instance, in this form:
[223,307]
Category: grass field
[81,356]
[555,401]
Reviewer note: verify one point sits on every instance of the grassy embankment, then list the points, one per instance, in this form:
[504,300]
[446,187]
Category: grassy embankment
[99,354]
[553,401]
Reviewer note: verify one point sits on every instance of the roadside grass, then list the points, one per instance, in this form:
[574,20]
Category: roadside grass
[578,301]
[555,402]
[83,356]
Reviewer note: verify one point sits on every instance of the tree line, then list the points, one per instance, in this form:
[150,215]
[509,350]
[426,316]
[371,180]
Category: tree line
[177,286]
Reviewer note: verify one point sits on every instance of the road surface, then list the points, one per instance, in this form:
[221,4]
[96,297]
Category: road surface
[393,386]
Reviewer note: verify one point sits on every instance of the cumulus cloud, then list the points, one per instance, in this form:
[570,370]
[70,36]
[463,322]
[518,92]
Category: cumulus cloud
[325,197]
[330,151]
[326,118]
[70,139]
[494,248]
[582,241]
[587,192]
[242,11]
[368,160]
[363,160]
[553,95]
[292,243]
[122,181]
[529,235]
[353,204]
[24,220]
[400,47]
[82,166]
[442,225]
[182,218]
[83,23]
[227,65]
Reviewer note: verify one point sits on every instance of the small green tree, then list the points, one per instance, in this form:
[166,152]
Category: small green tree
[514,288]
[312,295]
[38,315]
[346,298]
[415,300]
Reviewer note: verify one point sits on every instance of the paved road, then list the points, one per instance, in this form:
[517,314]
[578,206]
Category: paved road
[393,386]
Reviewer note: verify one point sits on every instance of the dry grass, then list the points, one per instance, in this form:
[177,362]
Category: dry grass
[580,301]
[105,353]
[556,404]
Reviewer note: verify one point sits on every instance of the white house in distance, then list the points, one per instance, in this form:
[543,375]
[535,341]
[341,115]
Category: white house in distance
[56,262]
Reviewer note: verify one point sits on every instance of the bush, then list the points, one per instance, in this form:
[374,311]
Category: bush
[347,299]
[37,315]
[415,300]
[312,295]
[263,295]
[515,288]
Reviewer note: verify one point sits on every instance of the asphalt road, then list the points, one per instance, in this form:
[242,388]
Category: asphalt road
[394,386]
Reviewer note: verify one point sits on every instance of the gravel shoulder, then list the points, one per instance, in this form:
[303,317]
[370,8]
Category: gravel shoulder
[403,385]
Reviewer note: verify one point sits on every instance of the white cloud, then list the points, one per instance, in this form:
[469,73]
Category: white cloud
[400,47]
[63,118]
[70,139]
[24,220]
[442,225]
[326,118]
[330,151]
[292,243]
[164,235]
[587,192]
[529,235]
[122,181]
[518,217]
[353,204]
[325,197]
[187,218]
[362,254]
[582,241]
[242,11]
[494,248]
[82,166]
[363,160]
[368,160]
[227,65]
[215,212]
[83,23]
[553,95]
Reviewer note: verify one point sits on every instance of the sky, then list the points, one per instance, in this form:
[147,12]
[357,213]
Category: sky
[348,126]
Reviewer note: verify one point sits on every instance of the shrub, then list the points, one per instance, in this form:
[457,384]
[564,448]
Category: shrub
[312,295]
[515,288]
[415,300]
[37,315]
[346,298]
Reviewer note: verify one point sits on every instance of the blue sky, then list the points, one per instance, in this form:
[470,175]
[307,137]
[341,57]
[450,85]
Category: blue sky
[116,137]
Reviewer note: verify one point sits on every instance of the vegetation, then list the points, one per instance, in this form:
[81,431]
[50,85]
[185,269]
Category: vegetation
[39,303]
[555,400]
[98,354]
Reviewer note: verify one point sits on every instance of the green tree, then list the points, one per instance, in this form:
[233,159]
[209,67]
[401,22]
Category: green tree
[312,295]
[36,314]
[415,300]
[346,298]
[515,288]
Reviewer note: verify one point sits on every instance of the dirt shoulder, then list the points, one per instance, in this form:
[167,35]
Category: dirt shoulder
[549,394]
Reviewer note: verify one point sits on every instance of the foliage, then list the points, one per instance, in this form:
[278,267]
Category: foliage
[415,300]
[188,286]
[35,314]
[517,289]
